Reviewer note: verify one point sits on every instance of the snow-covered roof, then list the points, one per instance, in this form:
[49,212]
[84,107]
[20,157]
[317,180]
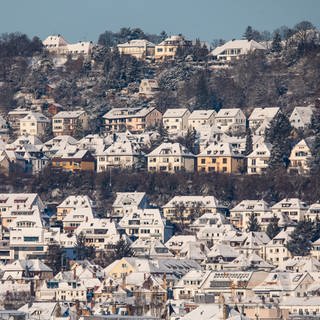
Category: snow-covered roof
[251,205]
[201,114]
[175,113]
[263,113]
[190,201]
[290,203]
[69,114]
[228,113]
[35,116]
[245,46]
[141,43]
[168,149]
[220,150]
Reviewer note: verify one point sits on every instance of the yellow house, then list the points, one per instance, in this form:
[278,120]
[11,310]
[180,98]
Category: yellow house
[167,49]
[220,158]
[121,268]
[140,49]
[82,160]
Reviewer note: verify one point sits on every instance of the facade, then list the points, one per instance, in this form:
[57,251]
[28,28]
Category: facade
[167,49]
[293,208]
[300,117]
[122,154]
[68,122]
[140,48]
[127,202]
[231,120]
[258,159]
[14,117]
[220,158]
[200,118]
[260,119]
[170,157]
[233,49]
[240,214]
[176,121]
[145,224]
[301,156]
[74,203]
[80,160]
[133,119]
[189,207]
[34,124]
[56,44]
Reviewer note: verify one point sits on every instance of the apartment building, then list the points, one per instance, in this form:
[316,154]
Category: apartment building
[176,121]
[136,119]
[68,122]
[170,157]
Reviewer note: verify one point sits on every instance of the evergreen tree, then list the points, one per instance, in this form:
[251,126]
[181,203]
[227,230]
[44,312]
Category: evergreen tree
[163,133]
[315,149]
[248,34]
[122,249]
[276,43]
[273,227]
[83,251]
[316,229]
[249,142]
[190,140]
[278,134]
[54,257]
[253,224]
[301,238]
[202,92]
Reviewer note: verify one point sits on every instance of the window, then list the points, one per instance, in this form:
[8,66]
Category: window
[224,160]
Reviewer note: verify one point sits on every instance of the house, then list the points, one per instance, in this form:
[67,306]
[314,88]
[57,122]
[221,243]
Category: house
[300,156]
[74,203]
[56,44]
[34,124]
[14,117]
[300,117]
[190,207]
[261,118]
[170,157]
[283,284]
[100,233]
[167,49]
[231,120]
[276,249]
[233,49]
[126,202]
[150,248]
[220,157]
[122,154]
[145,224]
[148,88]
[258,159]
[313,212]
[80,160]
[176,121]
[293,208]
[68,122]
[241,213]
[138,48]
[136,119]
[199,118]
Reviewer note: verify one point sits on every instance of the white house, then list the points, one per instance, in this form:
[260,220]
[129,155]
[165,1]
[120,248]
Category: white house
[258,159]
[240,214]
[176,121]
[293,208]
[260,119]
[34,124]
[122,154]
[144,223]
[300,117]
[231,120]
[170,157]
[235,48]
[200,118]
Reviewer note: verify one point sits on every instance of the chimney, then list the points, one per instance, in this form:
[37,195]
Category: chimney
[74,273]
